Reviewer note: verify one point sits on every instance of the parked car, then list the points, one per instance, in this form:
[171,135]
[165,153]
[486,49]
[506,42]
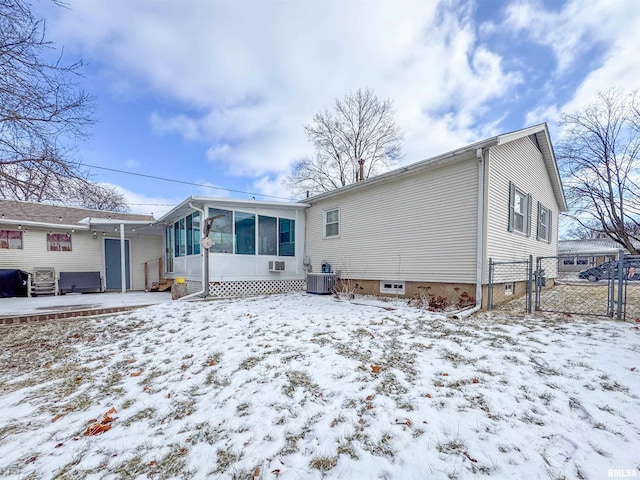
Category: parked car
[602,271]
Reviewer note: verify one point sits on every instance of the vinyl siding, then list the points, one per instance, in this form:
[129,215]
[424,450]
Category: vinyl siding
[520,162]
[87,254]
[414,228]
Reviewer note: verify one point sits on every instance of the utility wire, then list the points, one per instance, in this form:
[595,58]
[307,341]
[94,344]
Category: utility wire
[184,183]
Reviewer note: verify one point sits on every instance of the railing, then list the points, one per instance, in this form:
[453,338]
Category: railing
[149,280]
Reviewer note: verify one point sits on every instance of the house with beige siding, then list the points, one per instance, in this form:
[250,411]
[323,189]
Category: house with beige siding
[67,240]
[429,228]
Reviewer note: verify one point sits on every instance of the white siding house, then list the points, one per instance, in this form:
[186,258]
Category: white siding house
[255,247]
[34,235]
[432,226]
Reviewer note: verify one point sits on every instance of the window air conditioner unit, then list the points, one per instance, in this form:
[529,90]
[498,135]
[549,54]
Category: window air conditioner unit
[275,266]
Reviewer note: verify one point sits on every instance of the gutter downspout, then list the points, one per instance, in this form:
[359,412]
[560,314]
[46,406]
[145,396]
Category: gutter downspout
[205,271]
[479,241]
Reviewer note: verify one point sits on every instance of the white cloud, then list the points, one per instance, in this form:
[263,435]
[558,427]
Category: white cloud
[258,71]
[138,203]
[579,27]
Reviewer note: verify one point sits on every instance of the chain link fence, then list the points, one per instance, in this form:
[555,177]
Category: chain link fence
[593,283]
[509,280]
[580,289]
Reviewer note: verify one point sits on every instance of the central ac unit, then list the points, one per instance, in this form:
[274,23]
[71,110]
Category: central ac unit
[276,266]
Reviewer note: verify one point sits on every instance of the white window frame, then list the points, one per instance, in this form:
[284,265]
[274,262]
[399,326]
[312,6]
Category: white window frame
[508,288]
[395,287]
[515,193]
[546,235]
[325,223]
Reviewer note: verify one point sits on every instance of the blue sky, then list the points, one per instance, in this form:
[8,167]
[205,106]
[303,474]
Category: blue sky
[217,92]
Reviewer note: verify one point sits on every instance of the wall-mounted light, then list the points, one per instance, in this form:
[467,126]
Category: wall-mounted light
[73,230]
[133,230]
[19,227]
[95,235]
[103,234]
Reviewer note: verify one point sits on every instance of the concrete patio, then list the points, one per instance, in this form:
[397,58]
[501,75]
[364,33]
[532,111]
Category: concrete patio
[21,310]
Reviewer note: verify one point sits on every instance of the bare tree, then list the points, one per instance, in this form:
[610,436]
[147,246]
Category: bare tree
[43,112]
[361,127]
[599,155]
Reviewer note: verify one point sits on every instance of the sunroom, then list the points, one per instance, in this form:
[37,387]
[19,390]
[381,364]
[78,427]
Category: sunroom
[244,247]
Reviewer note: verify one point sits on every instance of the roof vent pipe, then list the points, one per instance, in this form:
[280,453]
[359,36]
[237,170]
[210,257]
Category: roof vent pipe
[361,163]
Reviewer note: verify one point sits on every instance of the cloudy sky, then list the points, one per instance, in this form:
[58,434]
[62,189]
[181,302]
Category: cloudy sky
[217,92]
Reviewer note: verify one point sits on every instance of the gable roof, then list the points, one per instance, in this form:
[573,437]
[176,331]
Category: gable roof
[31,213]
[540,134]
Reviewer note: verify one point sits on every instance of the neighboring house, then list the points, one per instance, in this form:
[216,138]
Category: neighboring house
[256,247]
[432,226]
[37,235]
[579,255]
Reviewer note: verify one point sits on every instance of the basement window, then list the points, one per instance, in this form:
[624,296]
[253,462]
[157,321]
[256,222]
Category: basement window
[508,288]
[394,287]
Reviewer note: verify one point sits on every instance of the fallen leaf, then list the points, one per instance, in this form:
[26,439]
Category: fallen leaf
[47,365]
[256,473]
[137,374]
[445,374]
[375,368]
[32,459]
[133,360]
[152,463]
[633,369]
[469,457]
[276,472]
[59,445]
[405,421]
[97,428]
[475,380]
[428,395]
[212,363]
[369,398]
[57,417]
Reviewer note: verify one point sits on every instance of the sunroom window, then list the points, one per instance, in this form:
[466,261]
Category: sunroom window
[221,231]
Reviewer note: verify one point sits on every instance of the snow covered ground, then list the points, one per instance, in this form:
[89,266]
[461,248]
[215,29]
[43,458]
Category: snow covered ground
[301,387]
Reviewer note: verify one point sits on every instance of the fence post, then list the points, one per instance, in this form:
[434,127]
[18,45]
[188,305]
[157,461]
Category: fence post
[490,286]
[621,279]
[529,283]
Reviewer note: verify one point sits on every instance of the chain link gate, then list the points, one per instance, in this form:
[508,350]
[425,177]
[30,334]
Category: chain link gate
[628,291]
[594,287]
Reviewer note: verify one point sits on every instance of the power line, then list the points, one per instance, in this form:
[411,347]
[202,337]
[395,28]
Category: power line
[184,183]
